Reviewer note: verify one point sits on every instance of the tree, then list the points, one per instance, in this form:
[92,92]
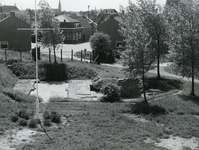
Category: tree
[100,43]
[53,38]
[138,56]
[184,34]
[156,26]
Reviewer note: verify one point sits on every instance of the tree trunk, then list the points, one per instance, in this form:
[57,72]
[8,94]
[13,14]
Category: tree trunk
[54,54]
[158,66]
[144,90]
[192,72]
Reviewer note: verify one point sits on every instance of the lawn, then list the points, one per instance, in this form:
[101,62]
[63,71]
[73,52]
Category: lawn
[95,125]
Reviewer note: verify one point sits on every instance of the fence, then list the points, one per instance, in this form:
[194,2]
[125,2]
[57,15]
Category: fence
[82,55]
[6,55]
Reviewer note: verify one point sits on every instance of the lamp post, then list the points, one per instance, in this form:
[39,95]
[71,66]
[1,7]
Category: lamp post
[37,99]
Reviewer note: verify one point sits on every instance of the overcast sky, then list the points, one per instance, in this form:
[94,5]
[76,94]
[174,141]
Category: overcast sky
[74,5]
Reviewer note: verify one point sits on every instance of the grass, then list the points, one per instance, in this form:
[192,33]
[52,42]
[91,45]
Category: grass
[95,125]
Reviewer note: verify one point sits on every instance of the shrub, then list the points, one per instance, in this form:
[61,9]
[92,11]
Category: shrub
[144,108]
[111,93]
[55,72]
[32,123]
[14,118]
[96,86]
[23,122]
[46,115]
[56,118]
[47,122]
[23,114]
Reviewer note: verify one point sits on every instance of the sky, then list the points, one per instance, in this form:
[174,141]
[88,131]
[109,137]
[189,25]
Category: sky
[74,5]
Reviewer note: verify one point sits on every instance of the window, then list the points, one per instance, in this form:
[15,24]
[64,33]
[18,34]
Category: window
[80,35]
[74,36]
[118,44]
[68,36]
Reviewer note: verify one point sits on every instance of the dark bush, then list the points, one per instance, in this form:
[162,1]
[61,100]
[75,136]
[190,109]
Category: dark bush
[111,93]
[47,122]
[23,114]
[12,61]
[80,72]
[14,118]
[97,85]
[23,122]
[32,123]
[46,115]
[145,108]
[55,72]
[56,118]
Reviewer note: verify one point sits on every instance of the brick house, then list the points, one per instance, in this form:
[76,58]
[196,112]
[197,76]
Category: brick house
[110,26]
[75,30]
[17,40]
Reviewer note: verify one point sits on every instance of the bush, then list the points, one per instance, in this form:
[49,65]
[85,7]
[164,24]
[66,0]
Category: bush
[111,93]
[14,118]
[145,108]
[55,72]
[80,72]
[32,123]
[23,114]
[96,86]
[56,118]
[46,115]
[47,122]
[24,70]
[23,122]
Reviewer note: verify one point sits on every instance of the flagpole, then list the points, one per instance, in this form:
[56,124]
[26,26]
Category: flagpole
[37,99]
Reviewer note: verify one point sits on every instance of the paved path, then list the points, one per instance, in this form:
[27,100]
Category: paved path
[164,73]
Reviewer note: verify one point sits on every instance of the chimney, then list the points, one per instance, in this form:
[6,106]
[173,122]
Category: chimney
[12,13]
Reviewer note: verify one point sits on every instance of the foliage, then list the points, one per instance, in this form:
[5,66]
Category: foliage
[111,93]
[55,72]
[32,123]
[54,37]
[23,114]
[183,28]
[138,55]
[14,118]
[97,85]
[156,25]
[55,117]
[100,44]
[145,108]
[23,122]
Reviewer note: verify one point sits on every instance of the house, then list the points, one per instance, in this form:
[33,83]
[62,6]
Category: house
[6,9]
[111,27]
[87,29]
[75,30]
[71,28]
[103,14]
[16,39]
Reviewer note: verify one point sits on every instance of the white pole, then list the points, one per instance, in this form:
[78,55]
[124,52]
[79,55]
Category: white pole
[37,99]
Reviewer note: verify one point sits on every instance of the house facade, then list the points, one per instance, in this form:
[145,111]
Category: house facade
[10,33]
[111,27]
[75,30]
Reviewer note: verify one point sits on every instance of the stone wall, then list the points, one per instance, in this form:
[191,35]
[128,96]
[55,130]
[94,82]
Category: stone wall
[129,88]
